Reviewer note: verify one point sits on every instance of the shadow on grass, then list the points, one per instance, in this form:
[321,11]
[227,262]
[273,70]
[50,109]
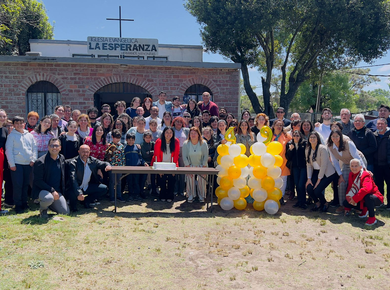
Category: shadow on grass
[35,220]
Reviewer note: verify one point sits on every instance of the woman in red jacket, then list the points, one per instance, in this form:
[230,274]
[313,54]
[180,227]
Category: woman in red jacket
[167,149]
[362,193]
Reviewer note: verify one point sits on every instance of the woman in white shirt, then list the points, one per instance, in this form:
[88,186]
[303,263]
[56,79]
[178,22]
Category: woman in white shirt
[320,171]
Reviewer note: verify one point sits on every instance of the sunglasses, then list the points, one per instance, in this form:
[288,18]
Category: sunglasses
[187,116]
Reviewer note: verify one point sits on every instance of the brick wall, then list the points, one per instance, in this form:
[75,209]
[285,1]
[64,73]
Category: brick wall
[77,83]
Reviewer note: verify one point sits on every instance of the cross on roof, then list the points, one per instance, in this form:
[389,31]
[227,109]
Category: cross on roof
[120,19]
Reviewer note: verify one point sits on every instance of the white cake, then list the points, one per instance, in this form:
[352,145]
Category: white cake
[164,165]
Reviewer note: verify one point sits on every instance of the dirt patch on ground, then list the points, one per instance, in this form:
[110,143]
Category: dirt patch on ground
[155,245]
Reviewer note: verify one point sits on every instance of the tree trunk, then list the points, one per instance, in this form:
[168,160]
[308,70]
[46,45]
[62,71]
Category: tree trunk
[249,91]
[268,110]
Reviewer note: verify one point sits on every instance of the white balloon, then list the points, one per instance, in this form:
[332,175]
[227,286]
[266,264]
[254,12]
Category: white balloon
[244,172]
[219,180]
[239,182]
[223,172]
[226,161]
[260,138]
[254,183]
[271,206]
[274,172]
[234,193]
[267,160]
[278,182]
[259,195]
[226,203]
[259,148]
[234,150]
[219,167]
[250,171]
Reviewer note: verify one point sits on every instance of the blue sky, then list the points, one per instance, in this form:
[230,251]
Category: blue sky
[166,20]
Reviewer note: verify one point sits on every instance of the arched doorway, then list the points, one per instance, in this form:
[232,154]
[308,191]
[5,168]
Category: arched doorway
[111,93]
[195,92]
[43,97]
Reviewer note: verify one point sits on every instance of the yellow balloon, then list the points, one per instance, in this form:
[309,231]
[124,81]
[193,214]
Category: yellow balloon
[254,160]
[220,192]
[251,192]
[274,148]
[219,200]
[241,160]
[266,132]
[244,191]
[234,172]
[259,172]
[268,183]
[223,150]
[243,148]
[240,203]
[278,160]
[230,136]
[219,159]
[258,205]
[226,183]
[251,151]
[275,194]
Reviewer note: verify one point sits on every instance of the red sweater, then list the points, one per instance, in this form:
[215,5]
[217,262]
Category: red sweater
[367,186]
[159,154]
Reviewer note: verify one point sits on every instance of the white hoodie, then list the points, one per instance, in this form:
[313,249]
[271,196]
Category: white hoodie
[21,148]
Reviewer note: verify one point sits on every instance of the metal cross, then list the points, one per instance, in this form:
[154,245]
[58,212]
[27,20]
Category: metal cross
[120,21]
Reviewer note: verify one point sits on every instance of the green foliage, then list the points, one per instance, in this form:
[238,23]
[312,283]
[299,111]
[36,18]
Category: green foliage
[22,20]
[371,100]
[293,36]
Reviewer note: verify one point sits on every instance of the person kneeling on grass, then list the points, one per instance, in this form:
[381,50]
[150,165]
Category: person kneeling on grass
[49,180]
[85,180]
[362,193]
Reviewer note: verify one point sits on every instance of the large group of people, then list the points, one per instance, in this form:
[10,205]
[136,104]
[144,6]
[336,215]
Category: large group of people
[66,158]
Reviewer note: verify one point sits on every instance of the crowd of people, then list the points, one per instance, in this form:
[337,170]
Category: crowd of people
[66,158]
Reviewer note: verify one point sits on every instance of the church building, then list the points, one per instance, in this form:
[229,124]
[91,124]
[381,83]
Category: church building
[102,70]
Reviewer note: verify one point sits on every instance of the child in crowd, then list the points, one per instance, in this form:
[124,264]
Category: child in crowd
[115,155]
[147,151]
[133,157]
[153,127]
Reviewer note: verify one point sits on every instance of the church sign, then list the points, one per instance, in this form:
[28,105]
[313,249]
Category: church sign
[122,46]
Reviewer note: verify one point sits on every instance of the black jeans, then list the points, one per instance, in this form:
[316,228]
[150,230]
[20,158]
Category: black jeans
[300,177]
[317,193]
[370,201]
[20,181]
[382,175]
[167,189]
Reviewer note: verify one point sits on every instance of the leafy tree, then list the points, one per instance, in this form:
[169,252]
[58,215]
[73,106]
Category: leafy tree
[300,35]
[371,100]
[22,20]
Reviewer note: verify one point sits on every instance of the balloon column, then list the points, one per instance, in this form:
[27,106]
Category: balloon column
[257,175]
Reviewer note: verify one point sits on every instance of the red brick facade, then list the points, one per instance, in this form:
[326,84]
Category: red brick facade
[77,82]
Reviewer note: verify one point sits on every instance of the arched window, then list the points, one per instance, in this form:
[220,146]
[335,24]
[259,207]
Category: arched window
[195,92]
[111,93]
[43,97]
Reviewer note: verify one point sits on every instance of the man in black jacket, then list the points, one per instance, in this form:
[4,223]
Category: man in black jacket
[364,140]
[382,158]
[84,178]
[49,180]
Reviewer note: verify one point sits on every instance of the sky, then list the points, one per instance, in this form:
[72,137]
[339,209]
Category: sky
[166,20]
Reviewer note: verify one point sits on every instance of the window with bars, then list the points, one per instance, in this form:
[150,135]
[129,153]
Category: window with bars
[43,97]
[195,92]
